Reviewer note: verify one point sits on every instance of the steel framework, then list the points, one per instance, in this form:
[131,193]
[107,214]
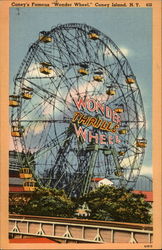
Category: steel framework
[69,62]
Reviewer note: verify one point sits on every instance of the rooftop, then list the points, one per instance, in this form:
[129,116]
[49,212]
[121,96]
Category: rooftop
[16,189]
[32,240]
[148,194]
[97,179]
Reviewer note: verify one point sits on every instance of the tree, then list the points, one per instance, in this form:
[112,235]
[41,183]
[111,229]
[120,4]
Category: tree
[118,204]
[105,203]
[17,202]
[48,202]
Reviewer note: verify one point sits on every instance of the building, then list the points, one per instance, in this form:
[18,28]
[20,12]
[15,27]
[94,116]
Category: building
[148,195]
[20,175]
[98,182]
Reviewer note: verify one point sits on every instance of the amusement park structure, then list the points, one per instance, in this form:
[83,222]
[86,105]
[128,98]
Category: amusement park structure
[77,111]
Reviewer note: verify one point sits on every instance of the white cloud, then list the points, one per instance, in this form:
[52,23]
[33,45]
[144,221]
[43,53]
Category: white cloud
[146,170]
[125,51]
[108,52]
[47,109]
[35,129]
[127,161]
[39,128]
[87,87]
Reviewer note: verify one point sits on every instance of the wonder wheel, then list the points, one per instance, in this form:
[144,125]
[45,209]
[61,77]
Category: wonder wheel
[71,74]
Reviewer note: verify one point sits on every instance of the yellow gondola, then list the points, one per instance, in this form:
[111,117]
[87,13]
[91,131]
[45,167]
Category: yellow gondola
[121,153]
[83,71]
[119,110]
[111,91]
[43,37]
[93,34]
[29,185]
[45,68]
[98,78]
[17,131]
[123,131]
[14,101]
[25,173]
[141,143]
[130,80]
[27,93]
[119,173]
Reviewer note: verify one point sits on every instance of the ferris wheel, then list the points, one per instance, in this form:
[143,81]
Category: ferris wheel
[69,71]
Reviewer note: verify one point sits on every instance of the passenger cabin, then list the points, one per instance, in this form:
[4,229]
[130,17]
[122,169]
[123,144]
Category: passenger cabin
[130,80]
[93,34]
[25,173]
[119,109]
[43,37]
[14,100]
[17,131]
[121,153]
[46,68]
[98,78]
[29,185]
[83,71]
[123,131]
[27,93]
[141,143]
[111,91]
[98,75]
[119,173]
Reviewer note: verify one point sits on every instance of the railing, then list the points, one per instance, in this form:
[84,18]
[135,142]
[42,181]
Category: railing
[69,230]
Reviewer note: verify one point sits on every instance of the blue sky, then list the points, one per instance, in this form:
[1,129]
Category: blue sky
[130,29]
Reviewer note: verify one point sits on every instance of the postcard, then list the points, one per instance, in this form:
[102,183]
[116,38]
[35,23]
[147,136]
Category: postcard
[81,124]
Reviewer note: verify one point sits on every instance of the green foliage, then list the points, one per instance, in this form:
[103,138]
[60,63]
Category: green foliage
[118,204]
[47,202]
[105,203]
[17,203]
